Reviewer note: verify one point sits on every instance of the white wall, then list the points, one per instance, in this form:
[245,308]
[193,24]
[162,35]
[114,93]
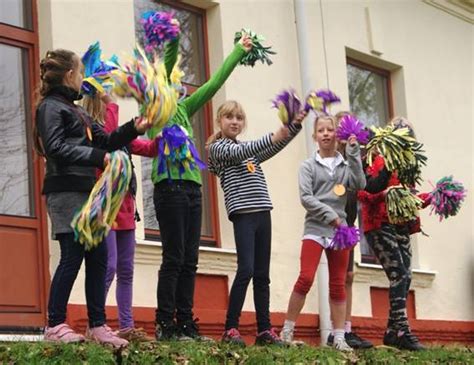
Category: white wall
[430,55]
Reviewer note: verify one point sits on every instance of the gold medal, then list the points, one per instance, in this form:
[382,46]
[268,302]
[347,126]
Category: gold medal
[339,189]
[251,167]
[89,133]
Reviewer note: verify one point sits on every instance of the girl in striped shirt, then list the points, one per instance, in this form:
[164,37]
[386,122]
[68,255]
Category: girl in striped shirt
[248,205]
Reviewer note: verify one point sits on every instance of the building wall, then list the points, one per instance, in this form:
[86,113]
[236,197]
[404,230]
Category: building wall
[429,53]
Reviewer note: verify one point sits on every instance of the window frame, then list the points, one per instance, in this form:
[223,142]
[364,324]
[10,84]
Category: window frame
[213,240]
[371,259]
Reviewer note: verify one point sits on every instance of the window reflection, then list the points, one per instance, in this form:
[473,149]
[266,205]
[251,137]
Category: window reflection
[14,172]
[17,13]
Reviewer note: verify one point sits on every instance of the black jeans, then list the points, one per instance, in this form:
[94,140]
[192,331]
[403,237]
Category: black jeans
[391,245]
[178,211]
[72,254]
[253,236]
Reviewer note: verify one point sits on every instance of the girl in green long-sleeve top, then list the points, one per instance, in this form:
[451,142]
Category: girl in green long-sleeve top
[177,198]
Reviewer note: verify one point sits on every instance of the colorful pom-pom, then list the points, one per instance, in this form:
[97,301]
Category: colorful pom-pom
[95,219]
[159,27]
[401,152]
[148,84]
[258,51]
[320,100]
[402,205]
[447,197]
[351,125]
[96,71]
[345,237]
[288,105]
[175,147]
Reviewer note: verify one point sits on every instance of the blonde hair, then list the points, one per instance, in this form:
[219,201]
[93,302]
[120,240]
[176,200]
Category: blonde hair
[332,118]
[229,107]
[94,107]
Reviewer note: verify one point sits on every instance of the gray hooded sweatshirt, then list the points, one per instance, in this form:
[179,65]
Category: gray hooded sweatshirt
[317,195]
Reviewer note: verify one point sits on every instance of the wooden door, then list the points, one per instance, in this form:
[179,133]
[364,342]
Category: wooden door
[24,271]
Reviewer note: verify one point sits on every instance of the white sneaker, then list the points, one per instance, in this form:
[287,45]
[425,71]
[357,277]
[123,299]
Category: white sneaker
[340,344]
[286,335]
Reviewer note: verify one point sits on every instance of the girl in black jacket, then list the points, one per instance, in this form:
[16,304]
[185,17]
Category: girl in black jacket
[73,146]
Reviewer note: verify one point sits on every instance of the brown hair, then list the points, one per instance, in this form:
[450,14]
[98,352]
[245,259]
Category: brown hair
[227,108]
[53,68]
[402,122]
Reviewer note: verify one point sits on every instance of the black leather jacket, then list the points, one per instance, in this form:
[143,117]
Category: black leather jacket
[71,156]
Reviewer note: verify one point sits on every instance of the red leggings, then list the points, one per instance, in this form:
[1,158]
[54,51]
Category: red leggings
[309,260]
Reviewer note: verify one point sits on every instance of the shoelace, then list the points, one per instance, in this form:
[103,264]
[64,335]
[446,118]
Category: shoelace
[233,333]
[273,334]
[411,338]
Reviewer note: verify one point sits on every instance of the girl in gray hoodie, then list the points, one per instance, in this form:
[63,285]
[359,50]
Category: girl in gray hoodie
[323,182]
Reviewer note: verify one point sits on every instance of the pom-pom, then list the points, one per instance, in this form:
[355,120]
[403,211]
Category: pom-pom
[159,27]
[176,147]
[258,51]
[288,105]
[345,237]
[351,125]
[402,205]
[401,152]
[148,84]
[318,101]
[94,220]
[96,71]
[446,198]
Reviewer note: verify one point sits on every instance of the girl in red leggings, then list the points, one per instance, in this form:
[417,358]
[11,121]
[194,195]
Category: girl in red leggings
[323,181]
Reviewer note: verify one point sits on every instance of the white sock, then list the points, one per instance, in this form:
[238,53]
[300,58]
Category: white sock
[338,334]
[289,325]
[348,326]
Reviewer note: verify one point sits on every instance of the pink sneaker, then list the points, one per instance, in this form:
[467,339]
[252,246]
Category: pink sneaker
[104,334]
[62,333]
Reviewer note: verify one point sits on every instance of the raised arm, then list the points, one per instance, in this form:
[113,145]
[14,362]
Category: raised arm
[312,204]
[229,153]
[356,172]
[271,151]
[205,92]
[171,55]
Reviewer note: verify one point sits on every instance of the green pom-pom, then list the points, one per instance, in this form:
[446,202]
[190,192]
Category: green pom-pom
[401,152]
[402,205]
[258,51]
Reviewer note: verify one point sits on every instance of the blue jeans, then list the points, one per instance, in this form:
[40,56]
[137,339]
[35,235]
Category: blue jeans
[253,236]
[178,211]
[72,255]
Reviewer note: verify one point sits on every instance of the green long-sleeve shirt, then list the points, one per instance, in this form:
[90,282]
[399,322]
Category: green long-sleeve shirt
[191,105]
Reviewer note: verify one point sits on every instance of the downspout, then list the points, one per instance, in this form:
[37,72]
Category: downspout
[308,82]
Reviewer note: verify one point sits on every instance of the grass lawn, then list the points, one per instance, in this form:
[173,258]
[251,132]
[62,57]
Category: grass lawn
[215,353]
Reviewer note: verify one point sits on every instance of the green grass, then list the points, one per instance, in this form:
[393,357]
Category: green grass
[213,353]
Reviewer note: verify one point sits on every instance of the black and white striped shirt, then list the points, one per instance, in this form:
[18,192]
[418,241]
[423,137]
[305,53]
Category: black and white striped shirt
[237,164]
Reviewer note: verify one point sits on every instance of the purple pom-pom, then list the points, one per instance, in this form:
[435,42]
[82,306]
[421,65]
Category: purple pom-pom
[288,104]
[345,237]
[320,100]
[159,27]
[351,125]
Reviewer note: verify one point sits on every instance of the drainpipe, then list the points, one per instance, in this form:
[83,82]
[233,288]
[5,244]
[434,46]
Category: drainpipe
[308,82]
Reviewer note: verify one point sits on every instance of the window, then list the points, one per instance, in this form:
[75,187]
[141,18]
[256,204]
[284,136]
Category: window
[370,100]
[16,180]
[17,13]
[193,63]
